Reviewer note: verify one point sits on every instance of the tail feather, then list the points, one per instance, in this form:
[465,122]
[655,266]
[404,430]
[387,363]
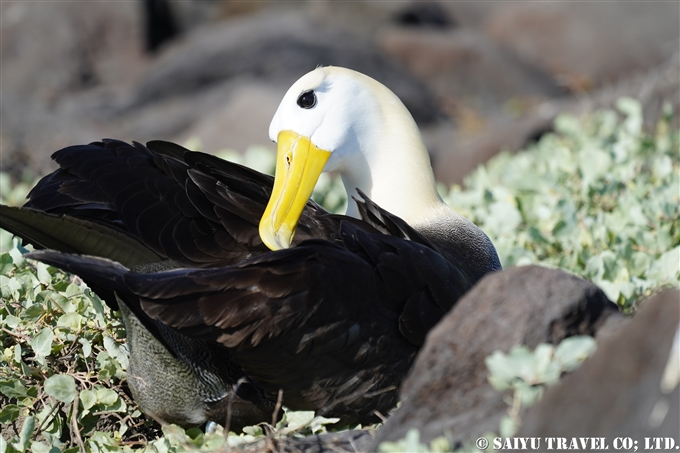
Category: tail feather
[72,235]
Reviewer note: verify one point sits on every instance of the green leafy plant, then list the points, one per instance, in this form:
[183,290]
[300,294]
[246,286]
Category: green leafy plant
[526,373]
[63,360]
[598,198]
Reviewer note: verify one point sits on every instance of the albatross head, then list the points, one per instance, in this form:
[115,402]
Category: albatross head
[336,119]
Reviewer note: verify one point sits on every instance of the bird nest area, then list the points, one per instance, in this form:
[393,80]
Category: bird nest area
[597,198]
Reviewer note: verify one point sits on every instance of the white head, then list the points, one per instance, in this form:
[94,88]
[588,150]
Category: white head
[350,123]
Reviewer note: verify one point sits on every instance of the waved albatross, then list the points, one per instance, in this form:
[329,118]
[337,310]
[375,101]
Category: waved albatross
[234,284]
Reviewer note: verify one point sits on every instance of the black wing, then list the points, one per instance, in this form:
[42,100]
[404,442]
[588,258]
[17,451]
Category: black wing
[336,328]
[334,321]
[192,208]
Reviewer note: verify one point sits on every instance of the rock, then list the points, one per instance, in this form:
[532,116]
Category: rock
[447,389]
[476,81]
[228,127]
[456,152]
[466,68]
[51,50]
[630,387]
[271,46]
[586,44]
[52,54]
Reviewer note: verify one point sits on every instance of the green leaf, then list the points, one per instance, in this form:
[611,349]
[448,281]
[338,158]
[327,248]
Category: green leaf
[26,433]
[11,321]
[529,394]
[33,313]
[298,419]
[42,343]
[13,388]
[17,257]
[9,286]
[87,346]
[88,398]
[106,396]
[508,426]
[61,387]
[71,320]
[666,267]
[253,430]
[633,110]
[73,290]
[318,423]
[9,413]
[572,351]
[40,447]
[6,263]
[43,275]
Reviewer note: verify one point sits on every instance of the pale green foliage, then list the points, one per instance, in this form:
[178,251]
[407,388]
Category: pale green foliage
[178,440]
[599,198]
[526,373]
[411,443]
[54,335]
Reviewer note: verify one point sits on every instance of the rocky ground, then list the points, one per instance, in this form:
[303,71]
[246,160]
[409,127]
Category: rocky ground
[478,77]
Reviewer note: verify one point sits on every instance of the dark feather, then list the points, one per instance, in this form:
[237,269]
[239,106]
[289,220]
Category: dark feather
[335,321]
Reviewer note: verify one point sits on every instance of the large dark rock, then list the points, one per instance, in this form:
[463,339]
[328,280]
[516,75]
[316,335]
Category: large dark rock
[621,391]
[447,390]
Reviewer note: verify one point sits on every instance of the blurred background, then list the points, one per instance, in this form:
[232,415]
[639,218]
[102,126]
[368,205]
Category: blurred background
[478,77]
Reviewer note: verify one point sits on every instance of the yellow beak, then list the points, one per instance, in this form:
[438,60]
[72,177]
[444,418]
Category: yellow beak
[298,166]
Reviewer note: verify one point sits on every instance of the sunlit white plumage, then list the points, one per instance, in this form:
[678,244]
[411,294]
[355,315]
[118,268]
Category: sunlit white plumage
[375,143]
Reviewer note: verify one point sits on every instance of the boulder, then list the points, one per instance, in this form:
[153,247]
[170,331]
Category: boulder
[54,56]
[466,69]
[272,46]
[456,151]
[630,387]
[52,50]
[228,127]
[586,44]
[447,390]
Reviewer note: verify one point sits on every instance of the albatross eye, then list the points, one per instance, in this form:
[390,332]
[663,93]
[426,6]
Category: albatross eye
[307,100]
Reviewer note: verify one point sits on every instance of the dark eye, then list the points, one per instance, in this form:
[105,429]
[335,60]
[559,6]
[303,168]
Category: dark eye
[307,100]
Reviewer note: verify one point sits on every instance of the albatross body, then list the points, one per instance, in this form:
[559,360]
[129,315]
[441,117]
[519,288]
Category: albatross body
[245,285]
